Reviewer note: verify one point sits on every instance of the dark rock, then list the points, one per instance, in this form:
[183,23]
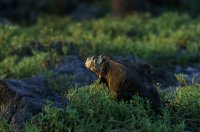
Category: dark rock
[192,72]
[145,71]
[73,66]
[164,76]
[20,99]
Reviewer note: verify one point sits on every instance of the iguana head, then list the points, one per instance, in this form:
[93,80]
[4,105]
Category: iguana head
[98,64]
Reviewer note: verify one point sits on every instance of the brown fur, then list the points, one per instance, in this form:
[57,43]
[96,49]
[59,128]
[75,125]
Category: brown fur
[120,80]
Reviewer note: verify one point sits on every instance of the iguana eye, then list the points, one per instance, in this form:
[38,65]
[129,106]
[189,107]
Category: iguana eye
[94,57]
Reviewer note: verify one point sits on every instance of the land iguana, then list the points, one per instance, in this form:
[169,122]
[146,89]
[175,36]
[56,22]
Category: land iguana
[122,81]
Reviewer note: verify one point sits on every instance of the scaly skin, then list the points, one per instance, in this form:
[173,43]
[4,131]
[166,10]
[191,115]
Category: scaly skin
[121,80]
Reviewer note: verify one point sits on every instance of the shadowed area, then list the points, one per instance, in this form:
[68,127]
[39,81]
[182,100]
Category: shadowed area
[20,99]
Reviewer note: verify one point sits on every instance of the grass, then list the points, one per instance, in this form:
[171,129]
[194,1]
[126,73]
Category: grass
[4,126]
[171,38]
[92,109]
[161,40]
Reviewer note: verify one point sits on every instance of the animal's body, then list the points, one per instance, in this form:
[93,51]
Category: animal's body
[121,80]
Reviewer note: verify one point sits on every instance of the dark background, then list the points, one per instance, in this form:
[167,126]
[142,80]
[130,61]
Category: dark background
[27,11]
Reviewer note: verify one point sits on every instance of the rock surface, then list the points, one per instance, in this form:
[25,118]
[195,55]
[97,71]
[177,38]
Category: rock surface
[192,72]
[20,99]
[146,72]
[72,69]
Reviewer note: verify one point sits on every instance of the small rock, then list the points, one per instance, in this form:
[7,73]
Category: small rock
[191,71]
[73,66]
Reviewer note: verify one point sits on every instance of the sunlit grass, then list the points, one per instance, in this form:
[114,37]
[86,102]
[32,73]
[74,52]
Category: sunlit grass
[92,109]
[160,40]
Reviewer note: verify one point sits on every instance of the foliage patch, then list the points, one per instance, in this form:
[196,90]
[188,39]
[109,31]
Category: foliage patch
[92,109]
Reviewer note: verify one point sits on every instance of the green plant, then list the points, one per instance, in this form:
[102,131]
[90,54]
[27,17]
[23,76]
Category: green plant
[184,102]
[181,78]
[4,126]
[161,42]
[93,109]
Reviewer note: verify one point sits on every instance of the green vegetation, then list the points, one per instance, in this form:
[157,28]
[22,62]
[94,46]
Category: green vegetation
[167,39]
[4,126]
[92,109]
[171,38]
